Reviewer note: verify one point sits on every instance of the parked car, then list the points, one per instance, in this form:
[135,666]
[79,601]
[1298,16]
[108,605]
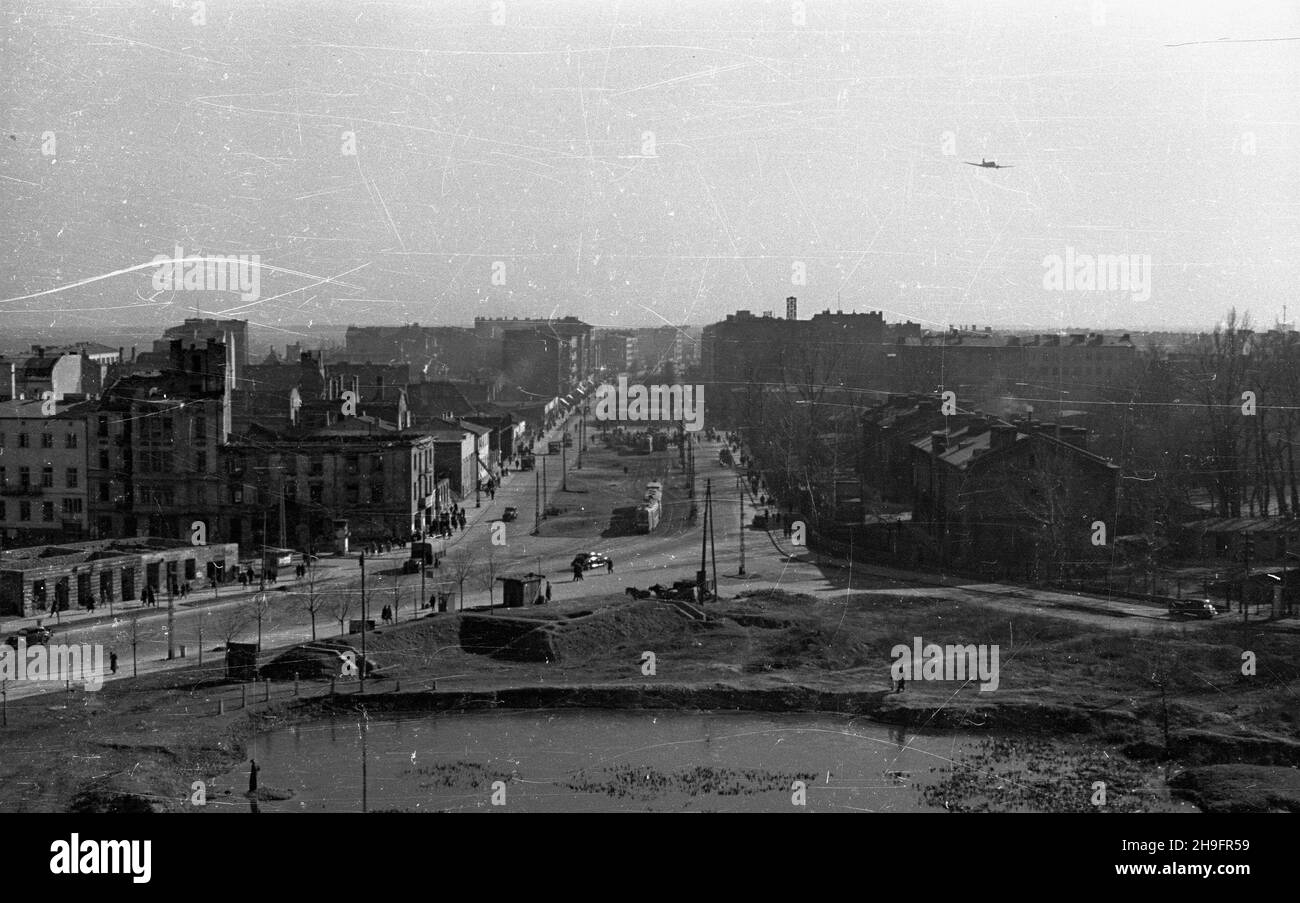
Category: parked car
[1193,608]
[589,560]
[35,636]
[510,513]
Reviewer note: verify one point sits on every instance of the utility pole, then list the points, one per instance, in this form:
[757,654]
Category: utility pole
[713,546]
[537,498]
[702,576]
[362,558]
[171,621]
[742,525]
[544,493]
[564,462]
[1249,548]
[262,569]
[284,543]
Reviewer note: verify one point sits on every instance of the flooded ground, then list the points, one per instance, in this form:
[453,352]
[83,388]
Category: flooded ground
[594,761]
[584,760]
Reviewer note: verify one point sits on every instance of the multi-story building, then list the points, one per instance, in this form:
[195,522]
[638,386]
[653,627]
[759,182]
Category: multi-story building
[154,440]
[44,478]
[371,474]
[543,357]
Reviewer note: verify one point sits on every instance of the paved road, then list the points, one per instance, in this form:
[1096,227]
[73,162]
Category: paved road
[670,553]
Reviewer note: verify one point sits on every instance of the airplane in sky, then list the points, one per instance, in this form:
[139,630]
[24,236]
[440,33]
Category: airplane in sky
[987,164]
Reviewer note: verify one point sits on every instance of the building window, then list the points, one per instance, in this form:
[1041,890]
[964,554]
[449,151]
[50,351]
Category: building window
[376,492]
[317,465]
[74,478]
[24,441]
[318,493]
[4,480]
[47,511]
[72,440]
[103,427]
[25,477]
[47,477]
[103,492]
[200,495]
[2,440]
[201,462]
[3,514]
[103,459]
[200,427]
[47,440]
[25,511]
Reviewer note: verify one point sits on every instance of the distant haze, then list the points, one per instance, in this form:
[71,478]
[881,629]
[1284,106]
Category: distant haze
[648,163]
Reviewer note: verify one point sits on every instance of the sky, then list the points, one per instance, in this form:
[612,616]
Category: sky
[638,164]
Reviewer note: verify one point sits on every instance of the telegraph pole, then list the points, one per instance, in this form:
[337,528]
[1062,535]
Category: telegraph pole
[713,546]
[564,462]
[537,497]
[742,525]
[544,495]
[362,557]
[702,577]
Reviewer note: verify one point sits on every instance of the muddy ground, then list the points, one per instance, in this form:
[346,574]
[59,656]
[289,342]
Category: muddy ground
[1231,741]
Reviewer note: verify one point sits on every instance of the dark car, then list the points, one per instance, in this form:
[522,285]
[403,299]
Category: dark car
[589,560]
[35,636]
[1193,608]
[510,513]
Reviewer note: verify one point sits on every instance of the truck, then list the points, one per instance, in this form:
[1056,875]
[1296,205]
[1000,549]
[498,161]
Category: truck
[647,516]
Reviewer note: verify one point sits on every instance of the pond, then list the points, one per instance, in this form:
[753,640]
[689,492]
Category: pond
[584,760]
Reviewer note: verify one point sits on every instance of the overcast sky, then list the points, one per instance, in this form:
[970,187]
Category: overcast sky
[648,163]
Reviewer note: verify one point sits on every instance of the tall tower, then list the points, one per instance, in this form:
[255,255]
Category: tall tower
[791,308]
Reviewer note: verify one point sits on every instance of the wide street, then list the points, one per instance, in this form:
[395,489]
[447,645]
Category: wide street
[204,622]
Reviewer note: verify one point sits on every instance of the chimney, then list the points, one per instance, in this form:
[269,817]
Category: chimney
[939,442]
[791,308]
[1002,435]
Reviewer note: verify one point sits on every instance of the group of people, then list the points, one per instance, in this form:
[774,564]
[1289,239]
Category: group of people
[544,597]
[386,614]
[578,570]
[450,520]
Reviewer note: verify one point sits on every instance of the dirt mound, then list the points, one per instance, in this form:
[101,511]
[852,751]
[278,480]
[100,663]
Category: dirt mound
[1240,788]
[617,626]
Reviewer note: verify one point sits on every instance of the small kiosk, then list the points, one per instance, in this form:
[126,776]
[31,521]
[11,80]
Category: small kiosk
[519,590]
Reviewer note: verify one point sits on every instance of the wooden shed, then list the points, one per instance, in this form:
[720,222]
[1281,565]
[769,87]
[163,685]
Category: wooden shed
[519,590]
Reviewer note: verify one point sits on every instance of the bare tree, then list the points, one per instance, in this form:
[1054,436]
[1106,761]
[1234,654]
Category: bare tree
[312,602]
[339,607]
[491,567]
[461,564]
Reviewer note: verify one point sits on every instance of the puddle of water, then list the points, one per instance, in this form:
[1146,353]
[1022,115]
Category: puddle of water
[560,761]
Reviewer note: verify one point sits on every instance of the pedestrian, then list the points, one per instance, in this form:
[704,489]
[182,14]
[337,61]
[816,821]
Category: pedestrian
[90,603]
[609,565]
[577,573]
[252,776]
[112,662]
[548,591]
[898,687]
[540,600]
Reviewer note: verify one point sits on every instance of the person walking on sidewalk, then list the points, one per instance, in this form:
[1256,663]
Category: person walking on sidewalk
[112,662]
[609,565]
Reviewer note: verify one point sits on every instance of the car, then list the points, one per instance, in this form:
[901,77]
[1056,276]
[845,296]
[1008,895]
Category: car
[1193,608]
[589,560]
[510,513]
[34,636]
